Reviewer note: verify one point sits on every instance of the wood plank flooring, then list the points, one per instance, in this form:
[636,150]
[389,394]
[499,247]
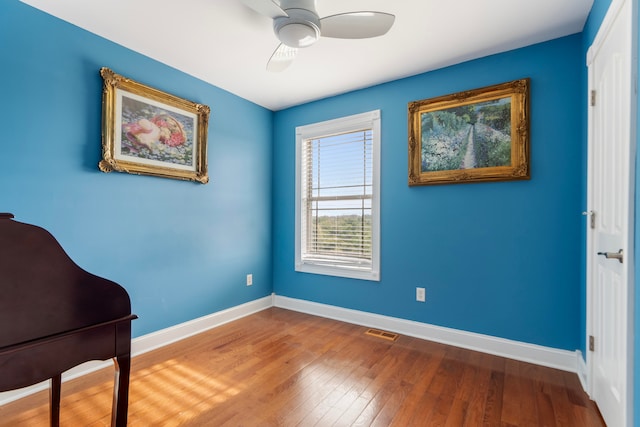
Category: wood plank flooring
[283,368]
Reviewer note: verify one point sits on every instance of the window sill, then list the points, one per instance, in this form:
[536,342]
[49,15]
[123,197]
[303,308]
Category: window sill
[346,272]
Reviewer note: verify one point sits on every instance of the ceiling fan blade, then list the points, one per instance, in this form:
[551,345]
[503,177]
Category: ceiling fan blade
[282,57]
[265,7]
[356,25]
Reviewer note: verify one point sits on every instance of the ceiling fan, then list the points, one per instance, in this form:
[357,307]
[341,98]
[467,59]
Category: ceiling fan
[297,25]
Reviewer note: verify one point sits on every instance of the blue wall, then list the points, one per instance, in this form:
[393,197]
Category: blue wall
[496,258]
[636,314]
[486,253]
[181,249]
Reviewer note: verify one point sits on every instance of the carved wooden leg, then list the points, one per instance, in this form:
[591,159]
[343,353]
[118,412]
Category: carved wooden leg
[54,400]
[121,391]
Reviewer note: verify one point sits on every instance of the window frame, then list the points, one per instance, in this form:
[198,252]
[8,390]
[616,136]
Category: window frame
[368,120]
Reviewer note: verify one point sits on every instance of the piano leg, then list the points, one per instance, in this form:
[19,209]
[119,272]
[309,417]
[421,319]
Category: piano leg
[54,400]
[121,391]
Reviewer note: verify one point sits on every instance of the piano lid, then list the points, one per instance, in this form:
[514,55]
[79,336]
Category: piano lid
[38,280]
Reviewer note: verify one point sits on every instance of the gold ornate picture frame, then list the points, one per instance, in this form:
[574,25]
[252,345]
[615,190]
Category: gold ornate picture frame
[149,132]
[474,136]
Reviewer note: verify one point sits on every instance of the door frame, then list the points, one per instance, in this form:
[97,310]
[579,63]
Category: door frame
[608,21]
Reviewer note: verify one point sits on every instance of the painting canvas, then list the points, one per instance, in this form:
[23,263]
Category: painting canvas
[146,131]
[479,135]
[155,134]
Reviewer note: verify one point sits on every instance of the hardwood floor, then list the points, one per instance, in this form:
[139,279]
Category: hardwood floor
[283,368]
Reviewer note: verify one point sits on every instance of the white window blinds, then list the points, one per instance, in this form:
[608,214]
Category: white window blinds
[337,196]
[337,184]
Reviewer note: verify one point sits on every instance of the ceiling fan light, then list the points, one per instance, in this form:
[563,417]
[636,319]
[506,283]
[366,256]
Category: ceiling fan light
[297,34]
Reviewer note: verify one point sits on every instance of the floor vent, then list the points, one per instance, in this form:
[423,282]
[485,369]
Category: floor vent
[382,334]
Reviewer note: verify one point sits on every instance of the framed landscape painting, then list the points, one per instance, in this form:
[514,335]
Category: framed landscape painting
[473,136]
[150,132]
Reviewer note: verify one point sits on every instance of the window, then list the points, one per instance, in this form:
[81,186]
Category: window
[338,197]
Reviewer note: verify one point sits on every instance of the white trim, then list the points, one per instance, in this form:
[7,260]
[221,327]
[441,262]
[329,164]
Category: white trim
[184,330]
[583,373]
[605,27]
[370,119]
[586,370]
[151,342]
[544,356]
[539,355]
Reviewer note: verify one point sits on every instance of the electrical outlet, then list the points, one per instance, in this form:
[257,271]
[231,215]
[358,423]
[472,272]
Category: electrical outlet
[420,294]
[249,279]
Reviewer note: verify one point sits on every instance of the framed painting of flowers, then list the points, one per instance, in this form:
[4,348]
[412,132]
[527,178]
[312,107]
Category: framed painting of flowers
[149,132]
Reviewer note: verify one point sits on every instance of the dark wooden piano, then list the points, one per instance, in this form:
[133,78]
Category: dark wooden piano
[54,316]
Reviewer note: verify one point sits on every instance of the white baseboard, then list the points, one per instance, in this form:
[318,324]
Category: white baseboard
[151,342]
[582,371]
[544,356]
[184,330]
[539,355]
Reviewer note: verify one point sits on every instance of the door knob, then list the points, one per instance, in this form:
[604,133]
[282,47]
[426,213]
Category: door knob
[613,255]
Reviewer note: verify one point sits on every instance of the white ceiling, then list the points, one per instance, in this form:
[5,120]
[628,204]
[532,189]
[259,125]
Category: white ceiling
[227,44]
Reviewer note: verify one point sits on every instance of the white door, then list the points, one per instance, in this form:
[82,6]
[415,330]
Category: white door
[610,230]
